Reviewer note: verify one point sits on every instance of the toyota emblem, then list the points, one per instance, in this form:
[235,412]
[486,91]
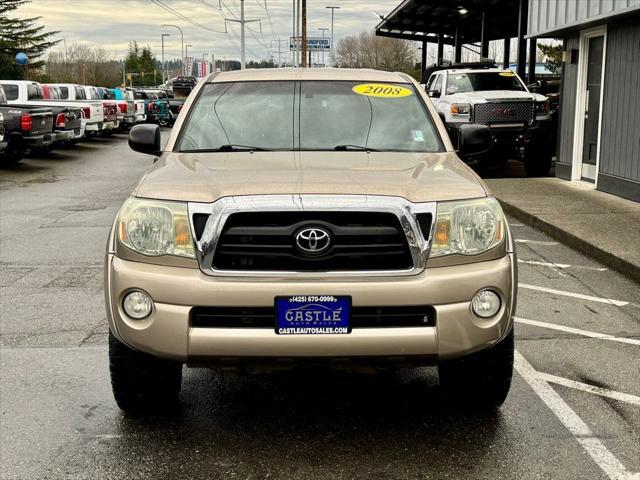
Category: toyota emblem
[313,240]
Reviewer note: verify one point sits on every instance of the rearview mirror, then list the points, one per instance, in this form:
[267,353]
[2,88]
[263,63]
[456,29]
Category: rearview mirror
[145,139]
[474,139]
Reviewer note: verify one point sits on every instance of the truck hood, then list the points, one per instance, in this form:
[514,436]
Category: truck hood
[206,177]
[491,95]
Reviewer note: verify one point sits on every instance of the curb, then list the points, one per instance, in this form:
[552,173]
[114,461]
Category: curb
[593,251]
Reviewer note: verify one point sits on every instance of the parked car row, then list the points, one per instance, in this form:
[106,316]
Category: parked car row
[45,116]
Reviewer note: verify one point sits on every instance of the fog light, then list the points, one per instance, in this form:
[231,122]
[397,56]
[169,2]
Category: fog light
[486,303]
[137,305]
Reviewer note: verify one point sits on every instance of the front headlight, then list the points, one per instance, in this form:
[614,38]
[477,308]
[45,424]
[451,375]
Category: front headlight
[155,227]
[468,227]
[542,108]
[460,109]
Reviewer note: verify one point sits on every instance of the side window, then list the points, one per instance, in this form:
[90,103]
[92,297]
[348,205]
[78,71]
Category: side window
[11,91]
[64,92]
[80,95]
[437,84]
[34,92]
[431,81]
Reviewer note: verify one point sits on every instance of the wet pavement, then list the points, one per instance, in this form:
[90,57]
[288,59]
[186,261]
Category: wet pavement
[573,411]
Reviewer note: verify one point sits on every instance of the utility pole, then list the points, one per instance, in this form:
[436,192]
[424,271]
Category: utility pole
[181,42]
[242,22]
[164,67]
[304,33]
[298,42]
[213,63]
[278,41]
[333,58]
[323,30]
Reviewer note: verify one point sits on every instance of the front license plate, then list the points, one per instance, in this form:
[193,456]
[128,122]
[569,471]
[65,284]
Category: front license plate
[313,315]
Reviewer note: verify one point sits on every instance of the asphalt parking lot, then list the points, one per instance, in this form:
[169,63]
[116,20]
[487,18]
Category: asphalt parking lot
[573,411]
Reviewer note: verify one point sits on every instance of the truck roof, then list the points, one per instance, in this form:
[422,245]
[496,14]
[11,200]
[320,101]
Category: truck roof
[478,70]
[307,74]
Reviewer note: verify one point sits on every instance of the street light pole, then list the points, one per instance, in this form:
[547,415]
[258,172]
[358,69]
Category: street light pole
[182,54]
[323,30]
[164,66]
[333,57]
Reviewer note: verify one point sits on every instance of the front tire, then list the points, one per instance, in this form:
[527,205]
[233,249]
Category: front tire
[480,381]
[141,382]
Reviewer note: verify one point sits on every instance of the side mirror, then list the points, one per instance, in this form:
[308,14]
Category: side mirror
[433,93]
[474,139]
[145,139]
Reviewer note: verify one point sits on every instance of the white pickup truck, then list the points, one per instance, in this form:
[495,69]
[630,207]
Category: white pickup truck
[481,93]
[108,122]
[31,93]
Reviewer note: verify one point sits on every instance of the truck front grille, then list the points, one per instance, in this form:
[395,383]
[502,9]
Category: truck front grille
[268,241]
[503,112]
[361,317]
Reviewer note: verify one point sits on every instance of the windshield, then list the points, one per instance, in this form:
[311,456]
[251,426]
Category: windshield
[309,115]
[482,81]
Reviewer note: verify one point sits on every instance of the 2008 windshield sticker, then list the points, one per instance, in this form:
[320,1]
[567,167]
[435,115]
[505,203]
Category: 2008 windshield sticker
[381,90]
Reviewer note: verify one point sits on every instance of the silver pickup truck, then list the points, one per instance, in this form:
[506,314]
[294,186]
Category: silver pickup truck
[481,93]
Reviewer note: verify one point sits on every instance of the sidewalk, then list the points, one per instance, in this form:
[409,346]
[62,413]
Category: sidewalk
[602,226]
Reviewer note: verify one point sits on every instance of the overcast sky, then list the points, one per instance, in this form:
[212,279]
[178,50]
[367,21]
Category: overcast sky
[113,23]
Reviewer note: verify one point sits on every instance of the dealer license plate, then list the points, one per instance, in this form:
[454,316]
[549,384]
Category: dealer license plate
[313,315]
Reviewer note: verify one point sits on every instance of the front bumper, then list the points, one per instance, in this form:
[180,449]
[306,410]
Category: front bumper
[167,331]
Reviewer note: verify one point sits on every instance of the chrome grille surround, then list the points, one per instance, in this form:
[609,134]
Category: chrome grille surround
[220,210]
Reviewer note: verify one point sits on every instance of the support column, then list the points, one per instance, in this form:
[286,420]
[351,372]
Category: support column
[423,62]
[506,53]
[522,43]
[484,37]
[440,48]
[533,45]
[457,57]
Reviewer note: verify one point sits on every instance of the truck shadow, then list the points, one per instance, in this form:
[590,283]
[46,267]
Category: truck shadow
[322,417]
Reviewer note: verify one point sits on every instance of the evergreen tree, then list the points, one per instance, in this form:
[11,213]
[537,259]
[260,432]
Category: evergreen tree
[21,35]
[143,64]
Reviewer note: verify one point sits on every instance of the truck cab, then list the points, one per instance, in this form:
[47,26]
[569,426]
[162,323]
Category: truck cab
[482,93]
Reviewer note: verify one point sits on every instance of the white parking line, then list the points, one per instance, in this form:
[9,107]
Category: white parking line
[535,242]
[516,224]
[560,265]
[585,387]
[600,454]
[617,303]
[577,331]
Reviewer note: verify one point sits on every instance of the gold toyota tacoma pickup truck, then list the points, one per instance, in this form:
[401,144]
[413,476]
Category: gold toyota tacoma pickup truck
[309,217]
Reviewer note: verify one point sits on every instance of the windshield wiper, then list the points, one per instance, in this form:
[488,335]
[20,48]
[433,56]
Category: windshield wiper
[354,147]
[231,147]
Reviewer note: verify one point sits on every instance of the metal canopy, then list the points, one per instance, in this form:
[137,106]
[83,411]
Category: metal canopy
[424,20]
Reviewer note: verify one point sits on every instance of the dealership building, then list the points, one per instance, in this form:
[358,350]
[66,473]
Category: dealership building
[599,127]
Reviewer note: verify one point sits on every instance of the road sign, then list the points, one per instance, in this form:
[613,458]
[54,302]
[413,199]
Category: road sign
[314,44]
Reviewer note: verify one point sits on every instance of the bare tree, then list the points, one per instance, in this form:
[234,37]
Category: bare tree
[370,51]
[83,64]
